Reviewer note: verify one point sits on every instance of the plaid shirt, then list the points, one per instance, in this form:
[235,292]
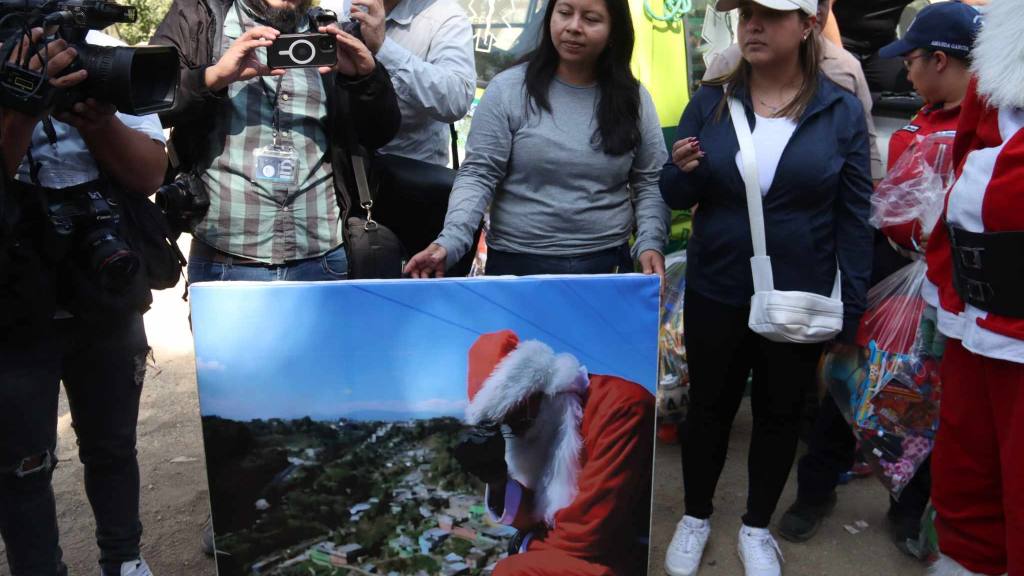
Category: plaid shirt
[272,223]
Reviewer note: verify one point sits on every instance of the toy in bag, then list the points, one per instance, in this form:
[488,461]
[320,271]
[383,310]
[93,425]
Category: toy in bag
[674,383]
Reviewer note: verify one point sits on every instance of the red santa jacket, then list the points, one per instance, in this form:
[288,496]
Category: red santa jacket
[609,516]
[987,197]
[580,476]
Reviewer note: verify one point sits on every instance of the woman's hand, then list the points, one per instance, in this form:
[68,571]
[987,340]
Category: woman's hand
[686,154]
[653,262]
[431,261]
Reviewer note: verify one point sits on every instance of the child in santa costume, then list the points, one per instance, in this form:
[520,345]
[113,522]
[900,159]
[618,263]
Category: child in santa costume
[976,266]
[574,474]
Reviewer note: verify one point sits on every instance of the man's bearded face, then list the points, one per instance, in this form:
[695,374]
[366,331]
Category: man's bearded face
[283,15]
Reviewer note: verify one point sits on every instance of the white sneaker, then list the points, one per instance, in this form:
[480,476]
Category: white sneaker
[759,552]
[135,568]
[687,547]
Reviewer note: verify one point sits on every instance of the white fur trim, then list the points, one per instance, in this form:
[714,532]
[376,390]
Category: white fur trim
[531,368]
[546,459]
[998,54]
[946,566]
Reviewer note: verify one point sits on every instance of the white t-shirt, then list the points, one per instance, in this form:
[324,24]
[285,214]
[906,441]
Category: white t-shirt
[770,138]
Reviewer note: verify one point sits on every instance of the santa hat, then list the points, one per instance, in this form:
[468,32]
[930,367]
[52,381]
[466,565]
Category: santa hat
[999,54]
[503,373]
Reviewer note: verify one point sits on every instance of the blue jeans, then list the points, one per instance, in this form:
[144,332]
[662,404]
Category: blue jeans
[331,266]
[102,370]
[610,261]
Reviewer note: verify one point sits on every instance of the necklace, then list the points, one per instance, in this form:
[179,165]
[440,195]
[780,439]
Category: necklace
[774,109]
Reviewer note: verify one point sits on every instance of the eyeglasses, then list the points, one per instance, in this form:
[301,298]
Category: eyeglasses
[909,60]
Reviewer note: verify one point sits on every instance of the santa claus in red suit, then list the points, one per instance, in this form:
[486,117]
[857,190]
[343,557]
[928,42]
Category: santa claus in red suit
[976,269]
[571,469]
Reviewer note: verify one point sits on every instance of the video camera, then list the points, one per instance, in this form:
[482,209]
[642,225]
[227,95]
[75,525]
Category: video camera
[136,81]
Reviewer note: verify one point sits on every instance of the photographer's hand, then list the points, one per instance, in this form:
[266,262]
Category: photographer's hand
[17,127]
[88,116]
[240,62]
[371,22]
[354,58]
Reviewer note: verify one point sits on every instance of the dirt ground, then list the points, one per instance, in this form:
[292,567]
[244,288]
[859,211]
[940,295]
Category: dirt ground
[175,498]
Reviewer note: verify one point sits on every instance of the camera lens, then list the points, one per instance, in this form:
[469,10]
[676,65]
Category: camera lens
[302,52]
[327,44]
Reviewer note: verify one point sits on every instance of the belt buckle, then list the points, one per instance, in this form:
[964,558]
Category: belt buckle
[970,257]
[980,292]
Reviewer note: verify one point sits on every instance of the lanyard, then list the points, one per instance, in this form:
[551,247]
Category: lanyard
[275,118]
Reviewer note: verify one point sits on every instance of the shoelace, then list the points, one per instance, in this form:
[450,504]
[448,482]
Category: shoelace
[766,550]
[687,542]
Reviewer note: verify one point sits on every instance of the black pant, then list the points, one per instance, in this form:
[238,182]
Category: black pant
[610,261]
[102,369]
[722,351]
[831,452]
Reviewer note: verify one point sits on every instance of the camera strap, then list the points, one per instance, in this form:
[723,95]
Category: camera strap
[35,167]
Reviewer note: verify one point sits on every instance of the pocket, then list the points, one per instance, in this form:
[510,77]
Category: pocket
[335,263]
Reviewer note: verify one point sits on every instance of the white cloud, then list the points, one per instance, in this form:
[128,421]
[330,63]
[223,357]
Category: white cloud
[203,364]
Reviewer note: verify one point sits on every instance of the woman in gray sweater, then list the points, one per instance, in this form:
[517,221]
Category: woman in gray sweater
[566,150]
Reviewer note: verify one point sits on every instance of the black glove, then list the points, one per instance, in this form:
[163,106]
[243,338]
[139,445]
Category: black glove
[481,452]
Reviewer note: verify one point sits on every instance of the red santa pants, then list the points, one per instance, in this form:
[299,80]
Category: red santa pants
[549,563]
[978,462]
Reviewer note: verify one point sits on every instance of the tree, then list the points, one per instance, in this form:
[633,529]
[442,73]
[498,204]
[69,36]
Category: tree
[150,13]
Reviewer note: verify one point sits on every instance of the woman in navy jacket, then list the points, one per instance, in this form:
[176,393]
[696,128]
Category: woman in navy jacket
[813,161]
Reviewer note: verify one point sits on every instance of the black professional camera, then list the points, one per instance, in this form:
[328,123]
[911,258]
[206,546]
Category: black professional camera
[184,203]
[136,81]
[90,221]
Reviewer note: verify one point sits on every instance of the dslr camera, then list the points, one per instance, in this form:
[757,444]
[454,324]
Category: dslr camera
[89,221]
[136,81]
[184,202]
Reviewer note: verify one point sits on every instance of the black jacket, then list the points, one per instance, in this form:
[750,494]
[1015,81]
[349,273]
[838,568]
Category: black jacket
[362,109]
[816,211]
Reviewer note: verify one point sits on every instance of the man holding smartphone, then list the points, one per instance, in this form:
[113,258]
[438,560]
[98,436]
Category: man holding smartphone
[268,146]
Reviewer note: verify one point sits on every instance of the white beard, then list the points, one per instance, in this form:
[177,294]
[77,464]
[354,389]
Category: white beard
[546,459]
[998,54]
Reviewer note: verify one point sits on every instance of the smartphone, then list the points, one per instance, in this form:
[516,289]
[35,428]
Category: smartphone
[302,51]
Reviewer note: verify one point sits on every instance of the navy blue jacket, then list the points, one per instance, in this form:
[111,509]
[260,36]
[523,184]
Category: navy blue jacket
[816,211]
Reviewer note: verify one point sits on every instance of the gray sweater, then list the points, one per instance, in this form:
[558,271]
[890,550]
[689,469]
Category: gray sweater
[550,192]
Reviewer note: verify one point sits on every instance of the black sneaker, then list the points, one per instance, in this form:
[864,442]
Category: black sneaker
[906,534]
[802,520]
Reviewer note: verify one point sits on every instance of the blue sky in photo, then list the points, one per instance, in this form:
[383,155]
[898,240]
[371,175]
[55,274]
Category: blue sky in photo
[391,350]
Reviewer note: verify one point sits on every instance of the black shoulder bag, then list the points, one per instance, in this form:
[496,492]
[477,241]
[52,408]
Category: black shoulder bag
[412,198]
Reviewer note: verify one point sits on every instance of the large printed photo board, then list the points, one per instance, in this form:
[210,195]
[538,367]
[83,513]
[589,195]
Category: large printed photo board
[441,427]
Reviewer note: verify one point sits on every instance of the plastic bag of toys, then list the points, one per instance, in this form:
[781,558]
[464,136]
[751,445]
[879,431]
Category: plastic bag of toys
[909,200]
[674,382]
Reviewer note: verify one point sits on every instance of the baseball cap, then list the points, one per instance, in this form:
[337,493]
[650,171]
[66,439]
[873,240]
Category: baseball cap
[947,26]
[808,6]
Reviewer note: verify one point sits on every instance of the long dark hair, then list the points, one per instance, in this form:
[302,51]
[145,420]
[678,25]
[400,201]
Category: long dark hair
[738,80]
[618,108]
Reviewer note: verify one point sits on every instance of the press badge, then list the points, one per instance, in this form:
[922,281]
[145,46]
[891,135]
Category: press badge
[277,164]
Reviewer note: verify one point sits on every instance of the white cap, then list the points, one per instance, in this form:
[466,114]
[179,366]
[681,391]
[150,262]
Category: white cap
[808,6]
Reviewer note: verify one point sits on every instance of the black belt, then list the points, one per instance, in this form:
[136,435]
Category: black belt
[988,270]
[203,250]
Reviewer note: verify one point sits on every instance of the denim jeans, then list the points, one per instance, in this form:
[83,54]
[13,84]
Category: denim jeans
[610,261]
[331,266]
[102,369]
